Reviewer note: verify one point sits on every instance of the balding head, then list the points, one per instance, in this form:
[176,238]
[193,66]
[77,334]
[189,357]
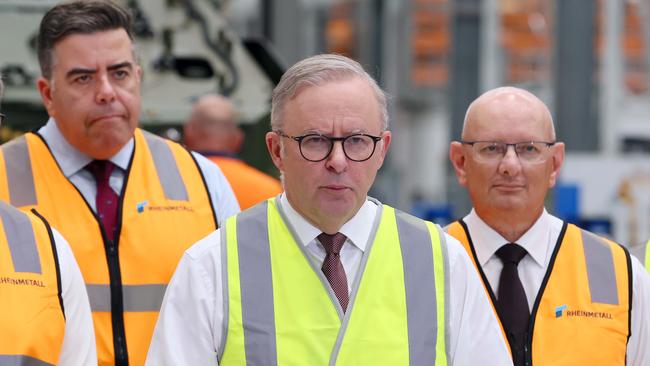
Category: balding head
[212,109]
[507,189]
[212,126]
[510,103]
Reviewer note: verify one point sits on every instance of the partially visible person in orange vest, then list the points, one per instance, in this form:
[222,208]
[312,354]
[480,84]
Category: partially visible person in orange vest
[564,296]
[213,132]
[44,310]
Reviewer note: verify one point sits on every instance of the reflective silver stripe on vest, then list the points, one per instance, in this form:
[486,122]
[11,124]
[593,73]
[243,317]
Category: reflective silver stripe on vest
[21,240]
[136,298]
[18,167]
[256,286]
[419,282]
[20,360]
[445,263]
[170,177]
[600,269]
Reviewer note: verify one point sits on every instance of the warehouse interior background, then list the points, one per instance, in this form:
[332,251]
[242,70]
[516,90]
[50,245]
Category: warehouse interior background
[588,60]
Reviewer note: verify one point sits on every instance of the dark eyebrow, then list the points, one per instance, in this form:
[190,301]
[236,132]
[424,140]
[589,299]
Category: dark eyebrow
[80,70]
[121,65]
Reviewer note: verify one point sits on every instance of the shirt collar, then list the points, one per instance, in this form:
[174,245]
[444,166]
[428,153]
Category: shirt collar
[72,160]
[357,229]
[536,240]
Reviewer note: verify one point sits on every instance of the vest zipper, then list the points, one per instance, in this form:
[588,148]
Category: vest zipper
[113,261]
[117,304]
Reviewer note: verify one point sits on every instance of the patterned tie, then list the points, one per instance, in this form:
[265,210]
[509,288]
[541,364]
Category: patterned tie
[333,268]
[106,200]
[512,300]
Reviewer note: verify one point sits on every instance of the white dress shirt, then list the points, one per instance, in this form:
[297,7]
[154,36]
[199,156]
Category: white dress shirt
[539,241]
[190,325]
[79,341]
[73,162]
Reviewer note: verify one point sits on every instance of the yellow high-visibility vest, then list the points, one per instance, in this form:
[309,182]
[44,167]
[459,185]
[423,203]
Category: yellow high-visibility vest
[282,310]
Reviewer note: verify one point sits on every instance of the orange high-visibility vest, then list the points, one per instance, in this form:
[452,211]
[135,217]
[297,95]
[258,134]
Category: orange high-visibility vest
[250,185]
[32,323]
[581,314]
[164,208]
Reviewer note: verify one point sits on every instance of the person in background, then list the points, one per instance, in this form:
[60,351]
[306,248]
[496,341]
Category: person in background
[44,310]
[212,131]
[564,296]
[323,274]
[128,202]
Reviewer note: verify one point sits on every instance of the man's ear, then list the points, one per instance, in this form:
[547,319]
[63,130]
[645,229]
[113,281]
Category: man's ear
[275,150]
[558,160]
[44,87]
[458,161]
[384,144]
[139,73]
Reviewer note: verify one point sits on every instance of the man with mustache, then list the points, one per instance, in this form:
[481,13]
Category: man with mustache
[128,202]
[564,296]
[323,274]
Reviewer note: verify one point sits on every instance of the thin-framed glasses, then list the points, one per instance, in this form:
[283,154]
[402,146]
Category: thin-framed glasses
[492,151]
[315,147]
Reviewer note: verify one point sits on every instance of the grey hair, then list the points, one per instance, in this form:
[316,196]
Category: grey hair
[318,70]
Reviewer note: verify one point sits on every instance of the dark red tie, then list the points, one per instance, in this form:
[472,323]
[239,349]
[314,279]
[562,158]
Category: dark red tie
[333,268]
[512,300]
[106,200]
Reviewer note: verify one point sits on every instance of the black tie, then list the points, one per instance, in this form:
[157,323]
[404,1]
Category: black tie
[512,300]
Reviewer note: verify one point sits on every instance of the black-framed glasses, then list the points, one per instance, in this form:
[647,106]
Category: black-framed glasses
[315,147]
[2,117]
[492,151]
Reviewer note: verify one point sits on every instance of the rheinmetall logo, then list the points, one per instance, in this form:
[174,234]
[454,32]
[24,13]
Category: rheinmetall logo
[145,206]
[563,310]
[589,314]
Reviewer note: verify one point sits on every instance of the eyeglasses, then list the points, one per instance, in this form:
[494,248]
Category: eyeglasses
[493,151]
[315,147]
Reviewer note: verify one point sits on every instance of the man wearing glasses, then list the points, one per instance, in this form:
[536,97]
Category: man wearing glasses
[323,274]
[564,296]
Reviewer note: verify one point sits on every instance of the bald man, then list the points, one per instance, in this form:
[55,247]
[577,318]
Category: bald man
[211,130]
[564,296]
